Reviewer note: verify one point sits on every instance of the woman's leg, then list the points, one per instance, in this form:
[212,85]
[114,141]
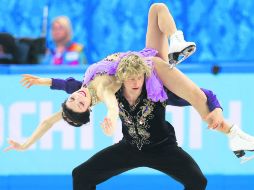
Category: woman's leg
[157,33]
[178,83]
[175,81]
[161,26]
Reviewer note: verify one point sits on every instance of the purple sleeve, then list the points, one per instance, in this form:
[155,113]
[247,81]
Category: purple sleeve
[69,85]
[175,100]
[212,100]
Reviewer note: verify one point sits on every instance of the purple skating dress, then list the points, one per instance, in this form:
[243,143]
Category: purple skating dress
[154,86]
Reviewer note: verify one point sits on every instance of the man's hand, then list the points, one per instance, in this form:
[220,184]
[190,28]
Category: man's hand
[214,118]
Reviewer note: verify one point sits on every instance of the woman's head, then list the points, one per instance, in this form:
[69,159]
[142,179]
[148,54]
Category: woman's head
[76,109]
[61,29]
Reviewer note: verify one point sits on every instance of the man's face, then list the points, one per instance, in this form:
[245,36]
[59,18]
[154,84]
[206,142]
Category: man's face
[133,85]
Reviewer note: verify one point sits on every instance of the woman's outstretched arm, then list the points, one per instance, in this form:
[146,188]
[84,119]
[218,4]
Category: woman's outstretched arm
[43,127]
[68,85]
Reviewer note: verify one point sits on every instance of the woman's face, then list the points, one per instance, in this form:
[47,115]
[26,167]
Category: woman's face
[79,101]
[134,84]
[59,33]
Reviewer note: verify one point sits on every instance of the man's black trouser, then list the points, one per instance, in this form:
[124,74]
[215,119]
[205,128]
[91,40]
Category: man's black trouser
[118,158]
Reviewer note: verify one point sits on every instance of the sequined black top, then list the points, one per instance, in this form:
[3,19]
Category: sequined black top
[144,124]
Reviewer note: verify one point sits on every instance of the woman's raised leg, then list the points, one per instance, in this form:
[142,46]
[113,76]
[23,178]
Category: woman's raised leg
[161,27]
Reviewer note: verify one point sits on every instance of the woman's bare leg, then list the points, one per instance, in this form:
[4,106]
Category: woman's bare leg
[178,83]
[161,26]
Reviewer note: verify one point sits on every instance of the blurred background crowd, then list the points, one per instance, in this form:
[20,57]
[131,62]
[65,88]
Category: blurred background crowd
[83,31]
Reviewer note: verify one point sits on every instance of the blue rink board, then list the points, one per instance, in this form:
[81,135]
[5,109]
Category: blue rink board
[124,182]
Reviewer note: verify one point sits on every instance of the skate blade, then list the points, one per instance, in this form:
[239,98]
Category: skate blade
[245,159]
[189,50]
[178,57]
[241,154]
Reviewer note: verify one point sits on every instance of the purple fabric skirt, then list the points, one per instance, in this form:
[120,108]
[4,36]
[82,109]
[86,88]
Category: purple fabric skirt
[154,86]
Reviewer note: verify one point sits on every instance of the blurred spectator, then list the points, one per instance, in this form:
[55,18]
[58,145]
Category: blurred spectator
[20,50]
[31,50]
[8,49]
[64,51]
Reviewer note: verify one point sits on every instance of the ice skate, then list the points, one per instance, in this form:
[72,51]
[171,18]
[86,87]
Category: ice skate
[179,49]
[240,142]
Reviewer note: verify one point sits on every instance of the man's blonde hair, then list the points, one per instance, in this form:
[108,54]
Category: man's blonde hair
[132,65]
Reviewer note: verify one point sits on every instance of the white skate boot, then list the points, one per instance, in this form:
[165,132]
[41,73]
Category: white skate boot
[240,142]
[179,49]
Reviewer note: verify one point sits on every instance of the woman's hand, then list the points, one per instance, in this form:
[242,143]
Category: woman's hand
[13,145]
[30,80]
